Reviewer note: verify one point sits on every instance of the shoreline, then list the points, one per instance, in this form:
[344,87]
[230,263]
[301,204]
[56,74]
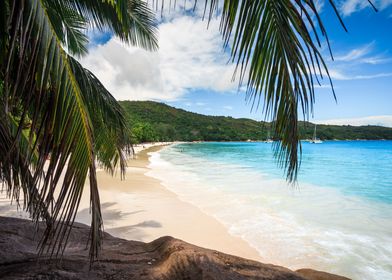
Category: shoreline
[137,148]
[140,208]
[146,206]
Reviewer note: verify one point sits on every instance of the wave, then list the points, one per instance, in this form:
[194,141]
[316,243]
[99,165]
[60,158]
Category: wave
[310,226]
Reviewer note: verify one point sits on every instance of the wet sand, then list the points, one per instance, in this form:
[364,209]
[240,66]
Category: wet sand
[140,208]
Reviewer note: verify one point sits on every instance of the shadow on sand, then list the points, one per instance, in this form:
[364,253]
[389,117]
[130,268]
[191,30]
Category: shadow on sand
[111,217]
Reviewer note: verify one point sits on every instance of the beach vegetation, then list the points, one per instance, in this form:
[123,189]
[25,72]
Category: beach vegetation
[152,121]
[57,119]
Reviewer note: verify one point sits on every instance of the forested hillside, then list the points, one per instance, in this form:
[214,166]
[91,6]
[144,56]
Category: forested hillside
[152,121]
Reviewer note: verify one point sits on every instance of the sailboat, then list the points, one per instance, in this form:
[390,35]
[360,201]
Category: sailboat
[268,140]
[315,140]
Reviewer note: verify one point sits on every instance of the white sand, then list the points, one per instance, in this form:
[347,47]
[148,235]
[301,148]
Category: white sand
[140,147]
[140,208]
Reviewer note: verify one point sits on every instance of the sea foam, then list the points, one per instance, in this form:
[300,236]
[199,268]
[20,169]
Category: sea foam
[301,226]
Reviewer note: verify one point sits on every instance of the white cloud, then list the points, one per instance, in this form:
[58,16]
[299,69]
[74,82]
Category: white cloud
[376,60]
[349,7]
[322,86]
[368,77]
[342,73]
[228,107]
[363,55]
[338,75]
[385,120]
[356,53]
[190,56]
[174,9]
[358,64]
[319,4]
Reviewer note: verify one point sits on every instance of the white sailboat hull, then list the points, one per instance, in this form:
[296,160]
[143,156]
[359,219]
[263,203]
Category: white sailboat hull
[316,141]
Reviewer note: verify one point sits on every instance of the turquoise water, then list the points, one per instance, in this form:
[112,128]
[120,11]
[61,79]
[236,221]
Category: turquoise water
[338,218]
[345,165]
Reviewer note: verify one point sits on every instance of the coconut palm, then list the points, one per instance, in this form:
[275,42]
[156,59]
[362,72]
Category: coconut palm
[51,106]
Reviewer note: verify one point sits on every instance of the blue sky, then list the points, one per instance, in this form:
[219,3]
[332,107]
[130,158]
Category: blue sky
[191,71]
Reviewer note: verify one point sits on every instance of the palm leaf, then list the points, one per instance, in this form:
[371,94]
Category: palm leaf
[275,45]
[52,106]
[130,20]
[111,135]
[39,79]
[68,25]
[271,44]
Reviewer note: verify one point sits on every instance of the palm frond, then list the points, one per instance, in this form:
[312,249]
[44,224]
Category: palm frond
[141,22]
[52,107]
[276,47]
[69,25]
[271,43]
[39,79]
[111,135]
[130,20]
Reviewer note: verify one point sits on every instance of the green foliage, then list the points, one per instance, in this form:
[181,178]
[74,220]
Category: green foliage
[171,124]
[160,122]
[143,132]
[56,118]
[345,132]
[50,105]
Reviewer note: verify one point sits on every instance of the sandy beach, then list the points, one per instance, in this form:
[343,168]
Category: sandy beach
[140,208]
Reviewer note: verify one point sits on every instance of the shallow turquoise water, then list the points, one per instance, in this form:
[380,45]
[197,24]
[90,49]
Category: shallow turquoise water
[338,218]
[362,168]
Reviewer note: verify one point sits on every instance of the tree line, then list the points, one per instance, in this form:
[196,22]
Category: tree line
[150,121]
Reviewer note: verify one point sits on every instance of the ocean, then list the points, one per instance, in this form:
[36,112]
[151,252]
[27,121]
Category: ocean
[337,218]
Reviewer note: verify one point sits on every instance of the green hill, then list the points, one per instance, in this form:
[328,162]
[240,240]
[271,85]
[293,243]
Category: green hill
[152,121]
